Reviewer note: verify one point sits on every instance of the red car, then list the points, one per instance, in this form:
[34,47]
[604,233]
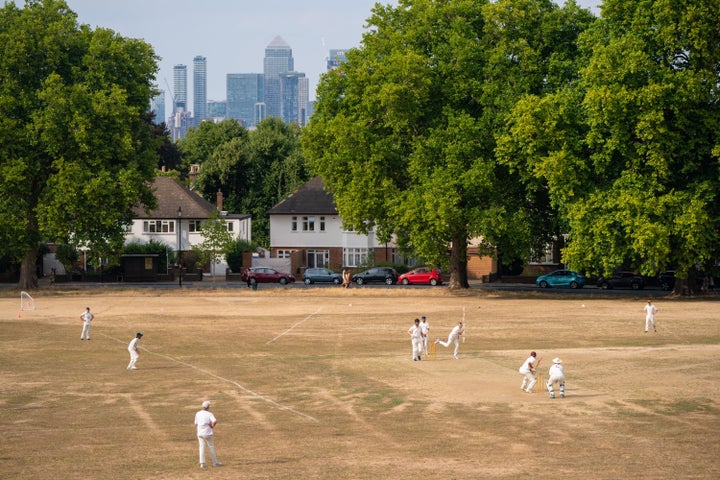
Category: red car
[266,275]
[422,275]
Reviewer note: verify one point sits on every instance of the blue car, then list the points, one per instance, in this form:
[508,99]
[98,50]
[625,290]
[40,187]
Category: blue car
[321,275]
[561,278]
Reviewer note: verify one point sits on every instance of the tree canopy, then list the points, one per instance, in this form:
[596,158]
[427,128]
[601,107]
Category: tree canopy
[404,133]
[630,154]
[76,147]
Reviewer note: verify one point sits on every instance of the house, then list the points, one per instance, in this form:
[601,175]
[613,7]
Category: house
[306,228]
[177,219]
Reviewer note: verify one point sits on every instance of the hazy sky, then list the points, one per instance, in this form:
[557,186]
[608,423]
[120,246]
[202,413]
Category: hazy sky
[233,34]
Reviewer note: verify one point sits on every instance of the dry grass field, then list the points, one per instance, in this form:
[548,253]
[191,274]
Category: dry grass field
[319,384]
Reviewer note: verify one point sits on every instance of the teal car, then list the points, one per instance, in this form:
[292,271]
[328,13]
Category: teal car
[561,278]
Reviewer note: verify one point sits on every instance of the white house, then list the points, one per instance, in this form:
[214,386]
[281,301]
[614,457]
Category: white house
[177,219]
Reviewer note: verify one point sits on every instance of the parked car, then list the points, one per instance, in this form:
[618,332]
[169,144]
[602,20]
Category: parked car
[666,280]
[622,280]
[422,275]
[561,278]
[321,275]
[386,275]
[266,275]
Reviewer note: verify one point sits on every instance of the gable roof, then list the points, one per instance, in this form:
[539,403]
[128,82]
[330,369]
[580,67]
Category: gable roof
[170,195]
[310,199]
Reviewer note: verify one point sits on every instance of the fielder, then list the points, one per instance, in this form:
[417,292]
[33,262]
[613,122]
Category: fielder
[454,337]
[417,340]
[425,329]
[556,375]
[650,310]
[86,317]
[134,352]
[205,422]
[528,372]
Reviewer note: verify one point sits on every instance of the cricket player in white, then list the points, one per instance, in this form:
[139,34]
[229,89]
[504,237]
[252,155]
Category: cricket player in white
[528,370]
[417,341]
[650,310]
[425,329]
[454,337]
[134,352]
[556,375]
[86,317]
[205,422]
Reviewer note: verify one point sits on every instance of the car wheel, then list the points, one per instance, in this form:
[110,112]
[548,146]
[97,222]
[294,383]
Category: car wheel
[574,285]
[283,280]
[253,281]
[636,286]
[336,281]
[543,284]
[405,281]
[388,281]
[308,281]
[665,286]
[433,282]
[605,286]
[360,281]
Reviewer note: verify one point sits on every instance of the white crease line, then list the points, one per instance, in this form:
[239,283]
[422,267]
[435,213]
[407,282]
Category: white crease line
[298,323]
[232,382]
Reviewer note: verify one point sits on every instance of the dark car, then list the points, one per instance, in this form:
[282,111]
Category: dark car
[622,280]
[422,275]
[385,275]
[321,275]
[266,275]
[561,278]
[666,280]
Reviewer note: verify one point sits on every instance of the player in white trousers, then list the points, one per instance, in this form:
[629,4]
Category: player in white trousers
[134,352]
[205,422]
[454,337]
[528,372]
[556,374]
[417,341]
[425,329]
[86,317]
[650,310]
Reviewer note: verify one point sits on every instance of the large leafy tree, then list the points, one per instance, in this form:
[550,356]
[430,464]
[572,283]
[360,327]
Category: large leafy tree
[404,133]
[631,153]
[76,148]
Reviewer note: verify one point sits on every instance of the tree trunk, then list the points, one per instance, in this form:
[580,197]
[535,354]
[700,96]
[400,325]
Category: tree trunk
[458,264]
[28,271]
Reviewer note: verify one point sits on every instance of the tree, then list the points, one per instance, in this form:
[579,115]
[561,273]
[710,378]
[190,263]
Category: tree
[77,152]
[630,152]
[403,134]
[217,241]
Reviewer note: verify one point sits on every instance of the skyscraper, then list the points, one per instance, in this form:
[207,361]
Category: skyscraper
[294,92]
[244,90]
[157,106]
[335,58]
[199,89]
[180,84]
[278,60]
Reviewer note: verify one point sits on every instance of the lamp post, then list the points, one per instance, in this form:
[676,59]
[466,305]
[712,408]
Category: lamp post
[179,215]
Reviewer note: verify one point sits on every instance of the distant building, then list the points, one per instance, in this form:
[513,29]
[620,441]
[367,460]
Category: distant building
[157,106]
[335,58]
[180,85]
[244,91]
[199,89]
[278,60]
[217,110]
[294,91]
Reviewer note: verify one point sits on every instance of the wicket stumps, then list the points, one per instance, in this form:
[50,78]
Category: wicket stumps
[431,350]
[540,383]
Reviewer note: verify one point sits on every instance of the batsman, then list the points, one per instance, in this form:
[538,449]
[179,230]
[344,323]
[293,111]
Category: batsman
[528,372]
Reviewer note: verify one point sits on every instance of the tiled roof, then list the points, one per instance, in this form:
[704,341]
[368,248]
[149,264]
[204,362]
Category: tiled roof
[170,195]
[310,199]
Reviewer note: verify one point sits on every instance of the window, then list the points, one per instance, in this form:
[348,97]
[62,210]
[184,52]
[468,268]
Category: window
[308,224]
[230,226]
[194,226]
[353,257]
[158,226]
[318,258]
[294,224]
[322,224]
[544,256]
[284,253]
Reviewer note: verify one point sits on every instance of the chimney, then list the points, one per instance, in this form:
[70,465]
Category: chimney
[219,201]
